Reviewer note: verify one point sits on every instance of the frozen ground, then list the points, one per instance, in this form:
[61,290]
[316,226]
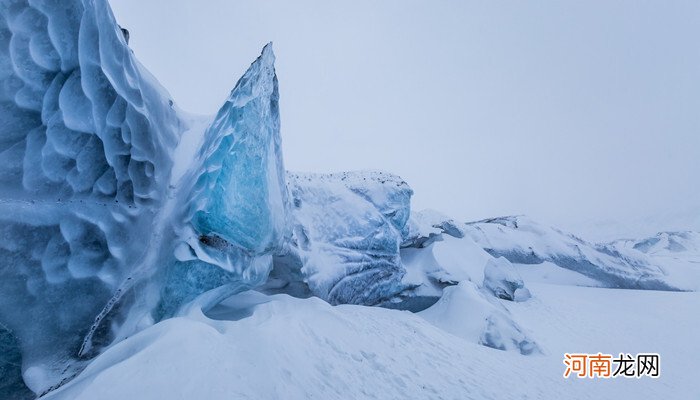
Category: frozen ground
[254,346]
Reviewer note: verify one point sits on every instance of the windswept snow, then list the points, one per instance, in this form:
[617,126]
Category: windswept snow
[254,346]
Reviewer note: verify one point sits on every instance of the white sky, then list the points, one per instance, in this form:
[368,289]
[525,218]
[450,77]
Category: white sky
[565,111]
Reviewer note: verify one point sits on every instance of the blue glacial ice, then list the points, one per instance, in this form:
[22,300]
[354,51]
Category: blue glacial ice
[97,241]
[236,207]
[85,142]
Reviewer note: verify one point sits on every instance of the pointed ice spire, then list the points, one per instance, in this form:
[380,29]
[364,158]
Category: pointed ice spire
[235,198]
[240,194]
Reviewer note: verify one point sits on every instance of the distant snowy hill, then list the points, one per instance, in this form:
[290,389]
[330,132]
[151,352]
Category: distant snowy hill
[630,227]
[524,241]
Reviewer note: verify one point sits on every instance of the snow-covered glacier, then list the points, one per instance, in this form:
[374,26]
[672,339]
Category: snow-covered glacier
[106,232]
[522,240]
[677,252]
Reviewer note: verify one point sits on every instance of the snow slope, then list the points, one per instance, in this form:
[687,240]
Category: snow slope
[278,347]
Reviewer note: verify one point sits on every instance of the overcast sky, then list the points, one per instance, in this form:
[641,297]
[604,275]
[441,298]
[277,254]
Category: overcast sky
[565,111]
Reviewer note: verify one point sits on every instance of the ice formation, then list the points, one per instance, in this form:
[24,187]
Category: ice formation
[101,239]
[85,142]
[427,226]
[96,243]
[348,228]
[236,213]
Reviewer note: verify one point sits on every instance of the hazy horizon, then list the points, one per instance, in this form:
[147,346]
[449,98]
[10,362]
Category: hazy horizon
[568,112]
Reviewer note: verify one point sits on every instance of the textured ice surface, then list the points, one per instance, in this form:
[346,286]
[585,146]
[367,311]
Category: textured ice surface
[347,231]
[524,241]
[97,241]
[85,142]
[488,322]
[236,213]
[240,194]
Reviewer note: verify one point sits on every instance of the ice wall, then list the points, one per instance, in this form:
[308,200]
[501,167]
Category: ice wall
[85,142]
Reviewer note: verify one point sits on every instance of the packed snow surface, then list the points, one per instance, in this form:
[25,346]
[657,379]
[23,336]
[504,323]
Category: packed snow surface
[254,346]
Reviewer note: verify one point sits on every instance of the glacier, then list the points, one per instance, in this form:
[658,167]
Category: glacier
[85,156]
[107,229]
[236,208]
[98,241]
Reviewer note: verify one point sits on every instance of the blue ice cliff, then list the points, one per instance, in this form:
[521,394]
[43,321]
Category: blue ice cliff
[348,228]
[86,137]
[95,242]
[236,206]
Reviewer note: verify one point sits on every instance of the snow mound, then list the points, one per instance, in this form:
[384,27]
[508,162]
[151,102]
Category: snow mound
[254,346]
[467,312]
[504,281]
